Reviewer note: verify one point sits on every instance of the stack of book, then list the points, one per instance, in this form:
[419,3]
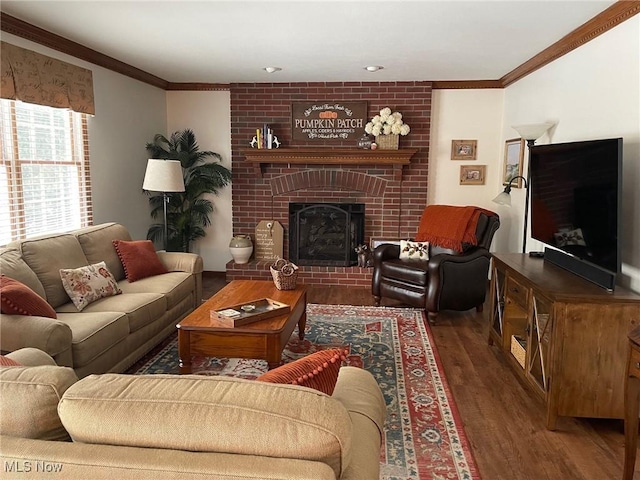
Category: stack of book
[264,136]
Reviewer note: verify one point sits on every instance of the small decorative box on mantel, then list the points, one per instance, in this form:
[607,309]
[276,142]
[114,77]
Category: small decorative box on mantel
[388,142]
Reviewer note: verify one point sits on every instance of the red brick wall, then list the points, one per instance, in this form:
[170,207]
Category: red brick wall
[394,202]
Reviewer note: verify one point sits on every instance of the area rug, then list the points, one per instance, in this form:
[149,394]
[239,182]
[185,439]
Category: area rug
[424,438]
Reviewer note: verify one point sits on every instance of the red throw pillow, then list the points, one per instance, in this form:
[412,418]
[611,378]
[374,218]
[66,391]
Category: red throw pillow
[318,370]
[8,362]
[18,299]
[139,259]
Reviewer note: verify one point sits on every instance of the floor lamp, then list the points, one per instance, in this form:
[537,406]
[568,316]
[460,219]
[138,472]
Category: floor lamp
[504,198]
[530,133]
[164,176]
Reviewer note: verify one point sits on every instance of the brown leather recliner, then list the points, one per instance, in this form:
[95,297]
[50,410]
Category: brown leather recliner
[449,280]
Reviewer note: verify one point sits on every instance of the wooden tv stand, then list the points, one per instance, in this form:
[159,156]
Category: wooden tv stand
[572,348]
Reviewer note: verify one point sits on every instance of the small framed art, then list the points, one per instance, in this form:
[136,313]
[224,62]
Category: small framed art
[472,174]
[513,161]
[463,149]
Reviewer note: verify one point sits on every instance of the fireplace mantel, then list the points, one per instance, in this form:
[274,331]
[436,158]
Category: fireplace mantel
[327,156]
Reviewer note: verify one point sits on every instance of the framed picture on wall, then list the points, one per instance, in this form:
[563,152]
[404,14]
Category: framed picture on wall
[463,149]
[472,174]
[513,161]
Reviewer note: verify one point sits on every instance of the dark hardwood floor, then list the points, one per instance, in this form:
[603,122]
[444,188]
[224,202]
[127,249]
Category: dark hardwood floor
[503,420]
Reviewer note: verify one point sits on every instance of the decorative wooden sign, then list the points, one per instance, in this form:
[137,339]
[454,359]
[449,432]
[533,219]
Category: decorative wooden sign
[328,121]
[269,240]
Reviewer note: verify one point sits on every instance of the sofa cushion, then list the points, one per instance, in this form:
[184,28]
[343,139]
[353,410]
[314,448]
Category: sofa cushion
[140,309]
[93,333]
[97,245]
[30,397]
[88,284]
[46,256]
[240,416]
[139,259]
[17,298]
[12,265]
[175,286]
[318,370]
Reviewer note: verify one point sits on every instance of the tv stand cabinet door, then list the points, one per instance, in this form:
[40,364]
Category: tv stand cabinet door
[590,359]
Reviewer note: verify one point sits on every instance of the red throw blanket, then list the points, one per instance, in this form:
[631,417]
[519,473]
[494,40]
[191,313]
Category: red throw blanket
[449,226]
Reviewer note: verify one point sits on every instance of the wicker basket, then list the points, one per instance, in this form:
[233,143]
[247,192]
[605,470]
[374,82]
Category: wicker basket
[285,274]
[518,349]
[388,142]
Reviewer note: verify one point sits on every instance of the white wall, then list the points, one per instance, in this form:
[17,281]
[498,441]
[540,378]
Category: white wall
[466,115]
[592,93]
[208,114]
[128,114]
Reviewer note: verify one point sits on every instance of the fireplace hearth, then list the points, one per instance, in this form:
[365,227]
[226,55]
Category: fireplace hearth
[325,234]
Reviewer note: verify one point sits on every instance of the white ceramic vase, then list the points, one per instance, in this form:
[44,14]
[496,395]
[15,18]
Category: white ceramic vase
[241,248]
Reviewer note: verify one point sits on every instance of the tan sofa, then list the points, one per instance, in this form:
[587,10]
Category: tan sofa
[109,334]
[189,427]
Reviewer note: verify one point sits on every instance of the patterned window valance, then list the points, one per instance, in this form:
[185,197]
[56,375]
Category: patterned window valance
[35,78]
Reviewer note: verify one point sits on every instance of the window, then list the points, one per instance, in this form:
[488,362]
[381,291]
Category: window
[44,175]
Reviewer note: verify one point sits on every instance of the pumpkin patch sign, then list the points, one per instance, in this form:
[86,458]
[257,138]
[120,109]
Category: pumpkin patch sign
[326,121]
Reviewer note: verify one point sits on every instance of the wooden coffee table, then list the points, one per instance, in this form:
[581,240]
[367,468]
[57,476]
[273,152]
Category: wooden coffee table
[198,334]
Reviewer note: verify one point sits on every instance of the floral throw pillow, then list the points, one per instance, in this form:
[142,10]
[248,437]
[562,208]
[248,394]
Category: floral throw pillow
[414,250]
[88,284]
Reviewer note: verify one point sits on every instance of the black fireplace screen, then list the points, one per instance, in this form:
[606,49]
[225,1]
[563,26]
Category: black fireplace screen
[325,234]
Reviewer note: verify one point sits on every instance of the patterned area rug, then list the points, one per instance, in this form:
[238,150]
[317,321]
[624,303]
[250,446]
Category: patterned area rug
[424,438]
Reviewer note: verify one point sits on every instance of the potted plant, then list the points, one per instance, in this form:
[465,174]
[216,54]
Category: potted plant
[187,212]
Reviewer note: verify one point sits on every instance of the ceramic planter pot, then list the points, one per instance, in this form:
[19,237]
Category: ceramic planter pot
[241,248]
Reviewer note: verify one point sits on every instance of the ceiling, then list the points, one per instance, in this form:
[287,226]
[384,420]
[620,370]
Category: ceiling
[231,41]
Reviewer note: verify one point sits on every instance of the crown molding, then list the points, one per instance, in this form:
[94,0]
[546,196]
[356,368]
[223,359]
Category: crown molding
[464,84]
[606,20]
[20,28]
[197,86]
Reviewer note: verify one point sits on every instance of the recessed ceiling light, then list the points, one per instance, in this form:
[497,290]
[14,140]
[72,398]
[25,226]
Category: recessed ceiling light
[272,69]
[373,68]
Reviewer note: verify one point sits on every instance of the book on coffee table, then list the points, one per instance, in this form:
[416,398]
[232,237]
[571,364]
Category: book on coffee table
[249,312]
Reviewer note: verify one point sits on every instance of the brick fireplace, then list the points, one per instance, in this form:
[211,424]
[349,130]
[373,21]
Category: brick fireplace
[394,196]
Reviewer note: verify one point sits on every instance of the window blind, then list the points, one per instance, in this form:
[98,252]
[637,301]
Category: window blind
[44,175]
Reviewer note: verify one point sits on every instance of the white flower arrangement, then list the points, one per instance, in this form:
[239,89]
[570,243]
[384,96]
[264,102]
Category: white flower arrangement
[387,123]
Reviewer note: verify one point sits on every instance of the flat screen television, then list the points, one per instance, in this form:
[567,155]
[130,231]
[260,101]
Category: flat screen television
[576,197]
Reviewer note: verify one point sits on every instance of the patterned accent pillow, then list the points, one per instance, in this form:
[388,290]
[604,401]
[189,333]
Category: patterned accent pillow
[18,299]
[8,362]
[88,284]
[414,250]
[318,370]
[139,259]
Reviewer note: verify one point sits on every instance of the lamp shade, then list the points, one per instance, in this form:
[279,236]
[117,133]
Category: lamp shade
[163,176]
[533,131]
[503,198]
